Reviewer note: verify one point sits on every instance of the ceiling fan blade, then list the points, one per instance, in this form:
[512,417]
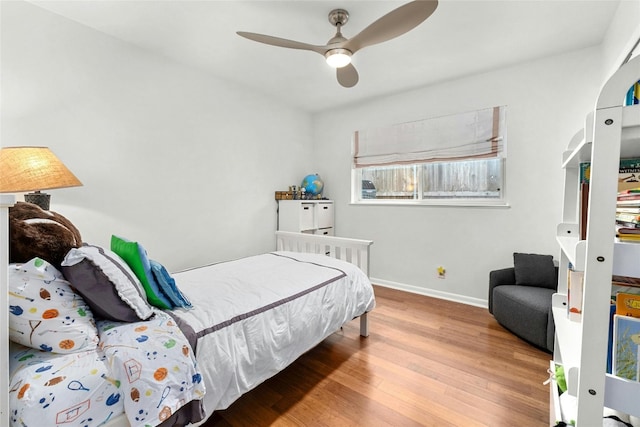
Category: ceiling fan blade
[347,75]
[277,41]
[393,24]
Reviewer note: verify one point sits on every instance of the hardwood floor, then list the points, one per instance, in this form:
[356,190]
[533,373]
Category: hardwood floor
[427,362]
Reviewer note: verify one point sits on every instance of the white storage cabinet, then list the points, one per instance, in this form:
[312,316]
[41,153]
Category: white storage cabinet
[612,132]
[306,216]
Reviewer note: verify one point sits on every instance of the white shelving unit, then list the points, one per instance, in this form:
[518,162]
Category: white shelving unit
[611,132]
[306,216]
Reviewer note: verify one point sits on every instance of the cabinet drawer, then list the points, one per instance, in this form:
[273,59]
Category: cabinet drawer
[306,216]
[325,215]
[324,231]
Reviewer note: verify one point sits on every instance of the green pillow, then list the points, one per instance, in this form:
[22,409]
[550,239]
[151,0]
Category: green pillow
[136,258]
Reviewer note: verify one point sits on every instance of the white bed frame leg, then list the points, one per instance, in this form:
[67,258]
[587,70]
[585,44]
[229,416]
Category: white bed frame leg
[364,325]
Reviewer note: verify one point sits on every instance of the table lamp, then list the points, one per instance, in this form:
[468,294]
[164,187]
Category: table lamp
[33,169]
[22,169]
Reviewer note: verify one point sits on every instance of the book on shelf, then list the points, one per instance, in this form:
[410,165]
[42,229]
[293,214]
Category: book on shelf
[585,172]
[621,225]
[628,230]
[628,203]
[628,209]
[634,238]
[628,304]
[575,283]
[628,174]
[628,221]
[633,95]
[628,190]
[621,286]
[626,340]
[622,197]
[619,282]
[625,217]
[584,209]
[612,312]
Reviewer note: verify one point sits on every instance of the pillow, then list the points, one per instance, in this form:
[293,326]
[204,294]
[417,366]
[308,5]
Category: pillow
[535,270]
[44,311]
[168,285]
[136,256]
[107,284]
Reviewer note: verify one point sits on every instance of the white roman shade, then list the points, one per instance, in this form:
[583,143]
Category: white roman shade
[476,134]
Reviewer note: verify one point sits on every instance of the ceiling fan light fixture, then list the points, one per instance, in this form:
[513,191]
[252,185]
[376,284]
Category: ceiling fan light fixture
[338,58]
[338,50]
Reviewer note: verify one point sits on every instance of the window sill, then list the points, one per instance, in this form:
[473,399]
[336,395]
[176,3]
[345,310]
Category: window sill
[443,203]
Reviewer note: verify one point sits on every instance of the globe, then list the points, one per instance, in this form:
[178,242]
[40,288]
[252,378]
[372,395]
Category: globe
[312,184]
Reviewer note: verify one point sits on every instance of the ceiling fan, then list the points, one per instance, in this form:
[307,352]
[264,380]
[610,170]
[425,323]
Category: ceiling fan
[338,50]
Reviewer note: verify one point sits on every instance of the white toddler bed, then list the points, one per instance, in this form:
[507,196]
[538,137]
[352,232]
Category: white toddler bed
[250,319]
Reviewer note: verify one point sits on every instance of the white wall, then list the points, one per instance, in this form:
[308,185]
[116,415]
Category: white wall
[623,33]
[546,101]
[181,161]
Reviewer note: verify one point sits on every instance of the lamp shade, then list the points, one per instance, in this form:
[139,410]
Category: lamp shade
[33,168]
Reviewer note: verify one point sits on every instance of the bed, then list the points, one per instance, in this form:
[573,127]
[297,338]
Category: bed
[247,320]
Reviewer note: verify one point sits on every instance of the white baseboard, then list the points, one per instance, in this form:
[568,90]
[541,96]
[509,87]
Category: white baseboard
[431,293]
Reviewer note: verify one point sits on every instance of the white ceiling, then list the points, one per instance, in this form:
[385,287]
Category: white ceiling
[460,38]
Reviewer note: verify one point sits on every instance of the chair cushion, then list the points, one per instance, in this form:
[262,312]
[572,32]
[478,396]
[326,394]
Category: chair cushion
[535,270]
[524,310]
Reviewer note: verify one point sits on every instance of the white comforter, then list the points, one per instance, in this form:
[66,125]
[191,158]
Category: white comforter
[254,316]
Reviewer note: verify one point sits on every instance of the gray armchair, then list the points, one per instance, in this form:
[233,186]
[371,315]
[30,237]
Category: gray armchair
[520,298]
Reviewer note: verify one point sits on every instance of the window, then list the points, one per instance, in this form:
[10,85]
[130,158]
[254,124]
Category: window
[458,159]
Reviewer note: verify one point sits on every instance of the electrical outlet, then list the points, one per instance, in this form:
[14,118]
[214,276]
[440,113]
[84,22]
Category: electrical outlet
[441,272]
